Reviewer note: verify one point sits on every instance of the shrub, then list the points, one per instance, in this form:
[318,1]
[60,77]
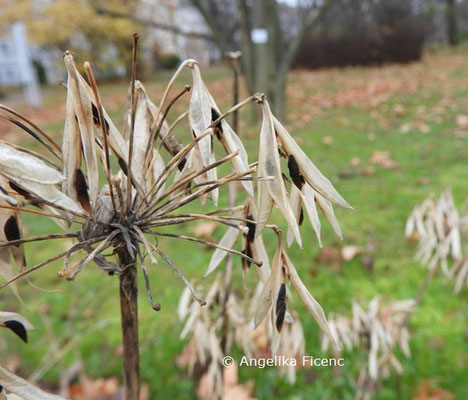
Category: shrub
[373,33]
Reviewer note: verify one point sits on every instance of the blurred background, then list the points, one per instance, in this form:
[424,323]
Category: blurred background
[273,36]
[375,91]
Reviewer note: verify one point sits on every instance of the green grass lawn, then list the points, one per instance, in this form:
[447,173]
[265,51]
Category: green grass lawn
[360,109]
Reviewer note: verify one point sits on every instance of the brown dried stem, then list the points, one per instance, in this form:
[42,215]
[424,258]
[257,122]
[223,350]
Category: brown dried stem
[36,267]
[132,118]
[70,273]
[177,221]
[171,82]
[209,244]
[235,90]
[39,136]
[155,130]
[171,165]
[38,239]
[182,182]
[181,275]
[235,108]
[154,306]
[29,210]
[129,323]
[201,192]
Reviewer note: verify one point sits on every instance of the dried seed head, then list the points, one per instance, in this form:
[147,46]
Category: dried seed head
[147,194]
[436,226]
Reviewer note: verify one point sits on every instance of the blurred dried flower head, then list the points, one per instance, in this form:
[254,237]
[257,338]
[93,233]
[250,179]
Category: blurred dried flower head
[206,326]
[378,331]
[437,227]
[434,224]
[259,323]
[459,272]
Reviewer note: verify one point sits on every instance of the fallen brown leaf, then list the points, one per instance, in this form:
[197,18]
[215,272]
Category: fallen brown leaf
[183,359]
[204,230]
[100,389]
[424,128]
[12,363]
[367,171]
[425,181]
[462,122]
[232,389]
[426,392]
[330,255]
[383,159]
[260,338]
[399,110]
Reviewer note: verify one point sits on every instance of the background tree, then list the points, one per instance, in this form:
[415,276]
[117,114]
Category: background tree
[76,24]
[265,65]
[365,33]
[452,26]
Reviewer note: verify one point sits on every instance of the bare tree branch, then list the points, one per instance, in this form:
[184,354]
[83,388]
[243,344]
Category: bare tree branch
[304,30]
[211,18]
[154,24]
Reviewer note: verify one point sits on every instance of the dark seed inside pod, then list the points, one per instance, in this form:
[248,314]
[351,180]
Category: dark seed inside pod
[82,190]
[295,173]
[11,229]
[214,116]
[280,307]
[19,190]
[251,226]
[18,328]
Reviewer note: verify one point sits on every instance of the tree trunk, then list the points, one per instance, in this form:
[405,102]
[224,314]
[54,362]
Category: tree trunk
[129,321]
[279,106]
[452,28]
[261,48]
[263,63]
[248,55]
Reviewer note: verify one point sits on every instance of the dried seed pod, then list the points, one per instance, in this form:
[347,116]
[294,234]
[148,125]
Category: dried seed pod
[309,171]
[269,165]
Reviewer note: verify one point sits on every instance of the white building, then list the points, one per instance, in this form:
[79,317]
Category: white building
[176,13]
